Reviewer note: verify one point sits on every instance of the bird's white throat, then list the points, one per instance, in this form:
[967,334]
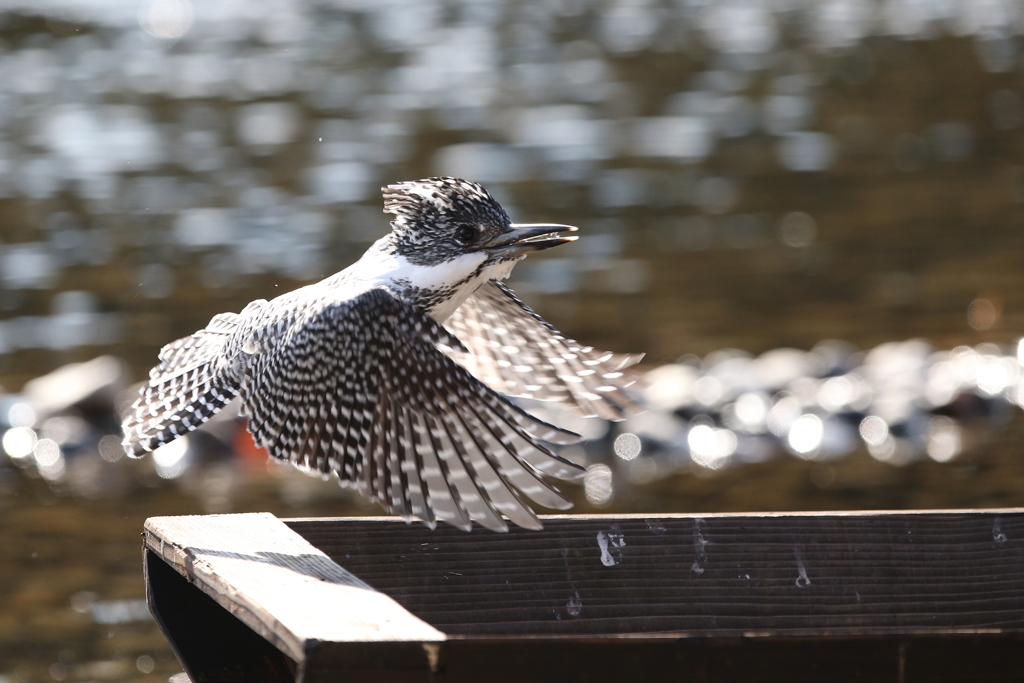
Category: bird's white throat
[392,269]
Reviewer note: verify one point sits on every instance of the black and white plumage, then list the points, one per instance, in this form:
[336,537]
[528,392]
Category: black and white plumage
[393,373]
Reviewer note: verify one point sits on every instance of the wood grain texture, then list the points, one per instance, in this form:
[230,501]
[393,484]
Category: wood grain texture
[684,575]
[278,584]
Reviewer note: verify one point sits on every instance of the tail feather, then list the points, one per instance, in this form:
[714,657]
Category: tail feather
[189,386]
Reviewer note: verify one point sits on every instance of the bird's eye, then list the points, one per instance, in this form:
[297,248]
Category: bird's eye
[465,234]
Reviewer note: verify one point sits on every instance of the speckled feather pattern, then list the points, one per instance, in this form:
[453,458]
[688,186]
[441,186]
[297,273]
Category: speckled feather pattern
[515,352]
[357,377]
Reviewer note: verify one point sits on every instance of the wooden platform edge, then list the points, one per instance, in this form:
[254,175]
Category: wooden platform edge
[278,584]
[220,576]
[613,517]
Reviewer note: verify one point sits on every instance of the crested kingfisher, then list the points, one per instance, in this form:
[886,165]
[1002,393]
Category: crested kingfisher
[393,374]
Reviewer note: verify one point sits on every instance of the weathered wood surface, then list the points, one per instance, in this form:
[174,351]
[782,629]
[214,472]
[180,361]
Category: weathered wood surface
[895,597]
[792,574]
[279,585]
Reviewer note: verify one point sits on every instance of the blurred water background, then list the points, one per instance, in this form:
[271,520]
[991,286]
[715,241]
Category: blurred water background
[808,214]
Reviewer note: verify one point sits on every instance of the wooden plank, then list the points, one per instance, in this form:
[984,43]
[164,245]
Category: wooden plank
[833,574]
[278,584]
[212,645]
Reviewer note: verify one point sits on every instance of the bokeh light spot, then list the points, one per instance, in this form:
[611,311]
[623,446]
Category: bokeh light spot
[597,485]
[627,446]
[797,229]
[806,434]
[874,430]
[170,459]
[944,441]
[982,314]
[19,442]
[166,19]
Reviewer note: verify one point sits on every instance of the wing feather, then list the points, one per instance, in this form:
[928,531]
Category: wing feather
[361,388]
[516,352]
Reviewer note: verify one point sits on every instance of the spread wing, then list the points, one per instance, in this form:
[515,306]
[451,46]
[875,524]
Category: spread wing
[516,352]
[360,388]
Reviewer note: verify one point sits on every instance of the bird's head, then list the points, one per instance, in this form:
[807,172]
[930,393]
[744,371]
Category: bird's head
[441,219]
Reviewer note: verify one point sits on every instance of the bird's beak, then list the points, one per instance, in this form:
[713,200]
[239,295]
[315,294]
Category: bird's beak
[523,238]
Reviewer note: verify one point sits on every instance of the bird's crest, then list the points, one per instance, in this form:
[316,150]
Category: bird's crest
[438,198]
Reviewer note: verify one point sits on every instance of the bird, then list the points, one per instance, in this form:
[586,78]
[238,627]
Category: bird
[395,374]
